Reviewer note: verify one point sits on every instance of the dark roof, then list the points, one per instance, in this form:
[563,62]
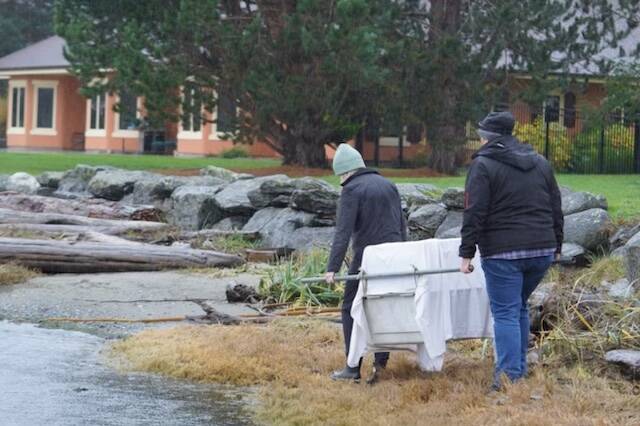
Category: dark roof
[44,54]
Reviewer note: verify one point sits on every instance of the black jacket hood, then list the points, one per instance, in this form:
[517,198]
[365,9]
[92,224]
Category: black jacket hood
[508,150]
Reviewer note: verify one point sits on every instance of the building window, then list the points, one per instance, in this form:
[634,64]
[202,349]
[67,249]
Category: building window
[552,109]
[97,113]
[191,110]
[569,110]
[128,111]
[17,107]
[225,114]
[44,107]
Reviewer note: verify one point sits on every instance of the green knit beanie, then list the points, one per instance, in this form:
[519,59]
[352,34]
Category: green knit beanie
[346,160]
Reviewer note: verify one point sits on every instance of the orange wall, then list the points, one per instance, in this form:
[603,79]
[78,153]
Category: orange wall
[69,115]
[207,142]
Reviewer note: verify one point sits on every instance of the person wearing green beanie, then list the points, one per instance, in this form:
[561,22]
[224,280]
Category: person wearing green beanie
[369,213]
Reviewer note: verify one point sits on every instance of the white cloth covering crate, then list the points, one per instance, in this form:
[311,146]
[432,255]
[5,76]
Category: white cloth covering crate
[417,313]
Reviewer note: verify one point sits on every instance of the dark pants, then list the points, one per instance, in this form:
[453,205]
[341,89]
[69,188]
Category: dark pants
[350,291]
[509,285]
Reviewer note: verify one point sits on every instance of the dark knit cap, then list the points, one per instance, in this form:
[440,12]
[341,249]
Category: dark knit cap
[498,122]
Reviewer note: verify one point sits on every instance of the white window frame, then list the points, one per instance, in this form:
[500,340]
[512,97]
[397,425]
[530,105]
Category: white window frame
[44,84]
[17,84]
[95,132]
[130,133]
[393,140]
[189,134]
[560,95]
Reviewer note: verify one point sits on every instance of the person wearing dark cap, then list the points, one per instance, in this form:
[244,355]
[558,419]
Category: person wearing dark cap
[369,213]
[513,213]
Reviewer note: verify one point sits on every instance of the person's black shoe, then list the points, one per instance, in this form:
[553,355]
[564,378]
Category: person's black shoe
[347,373]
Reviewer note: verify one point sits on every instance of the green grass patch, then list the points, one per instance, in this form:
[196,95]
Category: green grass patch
[622,191]
[36,163]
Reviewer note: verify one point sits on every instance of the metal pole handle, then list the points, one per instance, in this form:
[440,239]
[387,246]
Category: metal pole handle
[353,277]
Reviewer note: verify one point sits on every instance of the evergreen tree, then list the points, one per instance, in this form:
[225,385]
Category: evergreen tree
[306,73]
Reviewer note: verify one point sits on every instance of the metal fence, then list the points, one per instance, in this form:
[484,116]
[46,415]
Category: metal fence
[574,143]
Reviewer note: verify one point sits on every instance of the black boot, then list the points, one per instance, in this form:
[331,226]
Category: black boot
[347,373]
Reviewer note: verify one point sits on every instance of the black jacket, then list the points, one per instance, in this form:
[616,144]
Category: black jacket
[512,201]
[370,211]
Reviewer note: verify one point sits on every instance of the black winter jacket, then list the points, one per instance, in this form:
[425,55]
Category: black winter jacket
[370,211]
[512,201]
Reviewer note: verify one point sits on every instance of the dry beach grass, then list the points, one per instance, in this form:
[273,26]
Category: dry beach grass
[10,273]
[289,360]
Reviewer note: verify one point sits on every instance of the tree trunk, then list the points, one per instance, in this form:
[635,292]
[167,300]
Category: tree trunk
[445,140]
[52,256]
[304,152]
[445,126]
[90,207]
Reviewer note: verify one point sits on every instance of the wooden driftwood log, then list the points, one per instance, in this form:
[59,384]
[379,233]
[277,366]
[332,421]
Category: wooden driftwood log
[8,216]
[89,207]
[52,256]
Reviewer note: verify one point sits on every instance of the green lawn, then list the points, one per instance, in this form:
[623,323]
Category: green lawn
[622,191]
[36,163]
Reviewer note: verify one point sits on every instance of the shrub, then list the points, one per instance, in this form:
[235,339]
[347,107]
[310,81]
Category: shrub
[617,150]
[559,144]
[235,152]
[282,284]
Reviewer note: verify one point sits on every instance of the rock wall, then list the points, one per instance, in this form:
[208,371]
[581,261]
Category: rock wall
[287,212]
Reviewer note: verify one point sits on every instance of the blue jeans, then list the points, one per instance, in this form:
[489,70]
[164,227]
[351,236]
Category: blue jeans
[509,285]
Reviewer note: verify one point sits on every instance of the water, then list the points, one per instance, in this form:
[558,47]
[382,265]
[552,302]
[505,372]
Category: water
[56,377]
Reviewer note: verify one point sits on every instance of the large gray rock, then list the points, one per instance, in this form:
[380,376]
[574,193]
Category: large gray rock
[234,223]
[574,253]
[156,190]
[632,259]
[76,180]
[50,179]
[308,183]
[453,198]
[539,302]
[306,239]
[627,358]
[451,226]
[416,194]
[315,196]
[273,192]
[224,174]
[22,182]
[194,207]
[4,180]
[565,190]
[234,198]
[575,202]
[424,222]
[115,184]
[621,289]
[623,235]
[276,226]
[589,229]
